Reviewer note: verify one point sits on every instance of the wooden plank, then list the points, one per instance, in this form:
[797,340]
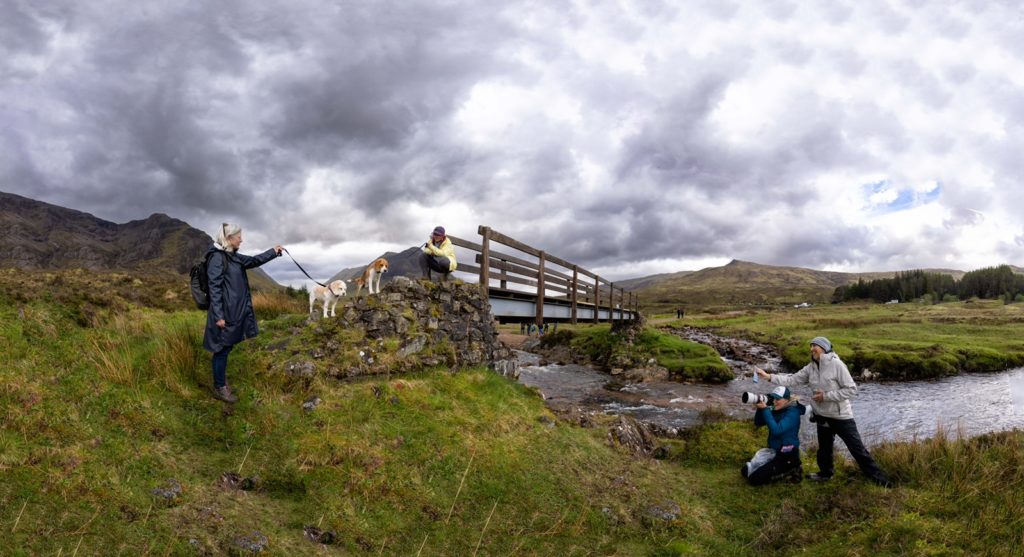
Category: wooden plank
[465,244]
[515,269]
[549,288]
[555,280]
[512,259]
[513,243]
[518,280]
[566,278]
[559,261]
[468,269]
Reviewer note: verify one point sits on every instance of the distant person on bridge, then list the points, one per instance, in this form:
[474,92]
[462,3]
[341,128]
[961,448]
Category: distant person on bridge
[831,410]
[230,318]
[438,255]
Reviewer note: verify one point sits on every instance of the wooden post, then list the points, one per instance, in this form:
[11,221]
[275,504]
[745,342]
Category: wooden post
[485,259]
[611,302]
[597,299]
[573,287]
[539,318]
[504,276]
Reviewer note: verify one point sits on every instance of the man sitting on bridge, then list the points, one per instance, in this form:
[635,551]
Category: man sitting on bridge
[438,255]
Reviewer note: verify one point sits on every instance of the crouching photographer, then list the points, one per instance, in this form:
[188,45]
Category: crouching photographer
[781,412]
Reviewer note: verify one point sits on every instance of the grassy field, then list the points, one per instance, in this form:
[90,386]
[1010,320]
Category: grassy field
[110,444]
[899,341]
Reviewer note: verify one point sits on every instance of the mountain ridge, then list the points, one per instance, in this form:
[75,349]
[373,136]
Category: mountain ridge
[35,235]
[745,282]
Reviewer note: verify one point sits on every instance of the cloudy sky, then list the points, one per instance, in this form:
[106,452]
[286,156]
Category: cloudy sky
[631,138]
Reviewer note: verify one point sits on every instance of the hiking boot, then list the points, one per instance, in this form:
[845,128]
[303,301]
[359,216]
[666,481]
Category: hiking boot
[816,477]
[795,475]
[224,393]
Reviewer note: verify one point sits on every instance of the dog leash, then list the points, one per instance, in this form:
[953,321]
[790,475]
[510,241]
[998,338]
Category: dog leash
[301,269]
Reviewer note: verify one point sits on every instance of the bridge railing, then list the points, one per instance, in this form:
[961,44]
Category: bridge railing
[544,278]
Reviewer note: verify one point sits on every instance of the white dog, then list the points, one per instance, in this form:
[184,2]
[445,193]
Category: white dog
[329,295]
[372,275]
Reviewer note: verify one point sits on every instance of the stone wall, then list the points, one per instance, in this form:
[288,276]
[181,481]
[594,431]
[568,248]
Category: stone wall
[409,325]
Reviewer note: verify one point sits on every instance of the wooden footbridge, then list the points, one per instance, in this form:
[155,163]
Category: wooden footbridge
[534,286]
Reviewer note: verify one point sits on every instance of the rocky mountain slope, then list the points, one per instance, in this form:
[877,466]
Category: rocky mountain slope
[39,236]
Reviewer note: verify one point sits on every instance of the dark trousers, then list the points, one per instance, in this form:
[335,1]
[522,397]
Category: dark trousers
[436,263]
[220,367]
[828,428]
[774,470]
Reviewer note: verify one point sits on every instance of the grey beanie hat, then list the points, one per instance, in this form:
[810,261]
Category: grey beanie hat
[823,343]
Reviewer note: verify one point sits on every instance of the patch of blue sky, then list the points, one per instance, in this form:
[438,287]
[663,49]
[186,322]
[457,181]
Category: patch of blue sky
[884,197]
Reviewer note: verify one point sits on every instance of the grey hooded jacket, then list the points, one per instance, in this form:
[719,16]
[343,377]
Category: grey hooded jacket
[829,375]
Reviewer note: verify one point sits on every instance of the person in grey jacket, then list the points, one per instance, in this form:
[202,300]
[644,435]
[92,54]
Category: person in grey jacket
[230,318]
[833,386]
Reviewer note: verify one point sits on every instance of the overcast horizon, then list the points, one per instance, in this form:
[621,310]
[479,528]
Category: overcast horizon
[630,138]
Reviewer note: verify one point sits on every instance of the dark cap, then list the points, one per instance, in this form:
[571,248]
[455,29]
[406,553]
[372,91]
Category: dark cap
[439,230]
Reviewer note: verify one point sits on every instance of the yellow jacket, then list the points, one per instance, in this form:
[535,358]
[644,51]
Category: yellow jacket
[446,249]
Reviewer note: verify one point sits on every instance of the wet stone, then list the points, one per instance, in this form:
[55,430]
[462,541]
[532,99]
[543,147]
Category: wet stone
[300,368]
[666,511]
[255,542]
[311,403]
[169,492]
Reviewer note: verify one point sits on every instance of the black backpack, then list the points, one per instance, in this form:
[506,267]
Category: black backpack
[199,283]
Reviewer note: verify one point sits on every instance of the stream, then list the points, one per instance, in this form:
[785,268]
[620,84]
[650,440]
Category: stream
[967,404]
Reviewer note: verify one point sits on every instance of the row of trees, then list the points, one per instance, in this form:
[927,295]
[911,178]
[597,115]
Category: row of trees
[990,282]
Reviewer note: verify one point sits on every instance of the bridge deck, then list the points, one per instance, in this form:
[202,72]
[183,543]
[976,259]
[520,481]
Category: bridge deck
[510,306]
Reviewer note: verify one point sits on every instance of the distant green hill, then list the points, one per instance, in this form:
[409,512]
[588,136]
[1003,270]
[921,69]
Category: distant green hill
[743,282]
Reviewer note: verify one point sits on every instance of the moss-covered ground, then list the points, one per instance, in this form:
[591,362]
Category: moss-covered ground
[98,419]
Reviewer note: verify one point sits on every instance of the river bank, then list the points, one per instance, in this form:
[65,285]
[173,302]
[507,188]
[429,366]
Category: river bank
[885,411]
[897,342]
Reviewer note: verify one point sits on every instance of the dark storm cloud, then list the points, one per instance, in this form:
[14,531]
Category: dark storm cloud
[224,111]
[154,128]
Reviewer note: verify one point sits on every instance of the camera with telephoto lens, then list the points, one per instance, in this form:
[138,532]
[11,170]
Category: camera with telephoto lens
[754,398]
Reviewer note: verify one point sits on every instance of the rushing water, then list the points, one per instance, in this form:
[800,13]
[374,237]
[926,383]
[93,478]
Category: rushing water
[970,404]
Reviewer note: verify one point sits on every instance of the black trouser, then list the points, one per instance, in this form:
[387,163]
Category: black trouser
[775,469]
[828,428]
[438,263]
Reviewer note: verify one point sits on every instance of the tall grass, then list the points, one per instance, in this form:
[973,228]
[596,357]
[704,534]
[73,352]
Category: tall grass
[269,305]
[178,357]
[976,483]
[111,350]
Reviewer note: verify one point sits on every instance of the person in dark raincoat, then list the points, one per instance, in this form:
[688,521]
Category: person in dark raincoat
[230,319]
